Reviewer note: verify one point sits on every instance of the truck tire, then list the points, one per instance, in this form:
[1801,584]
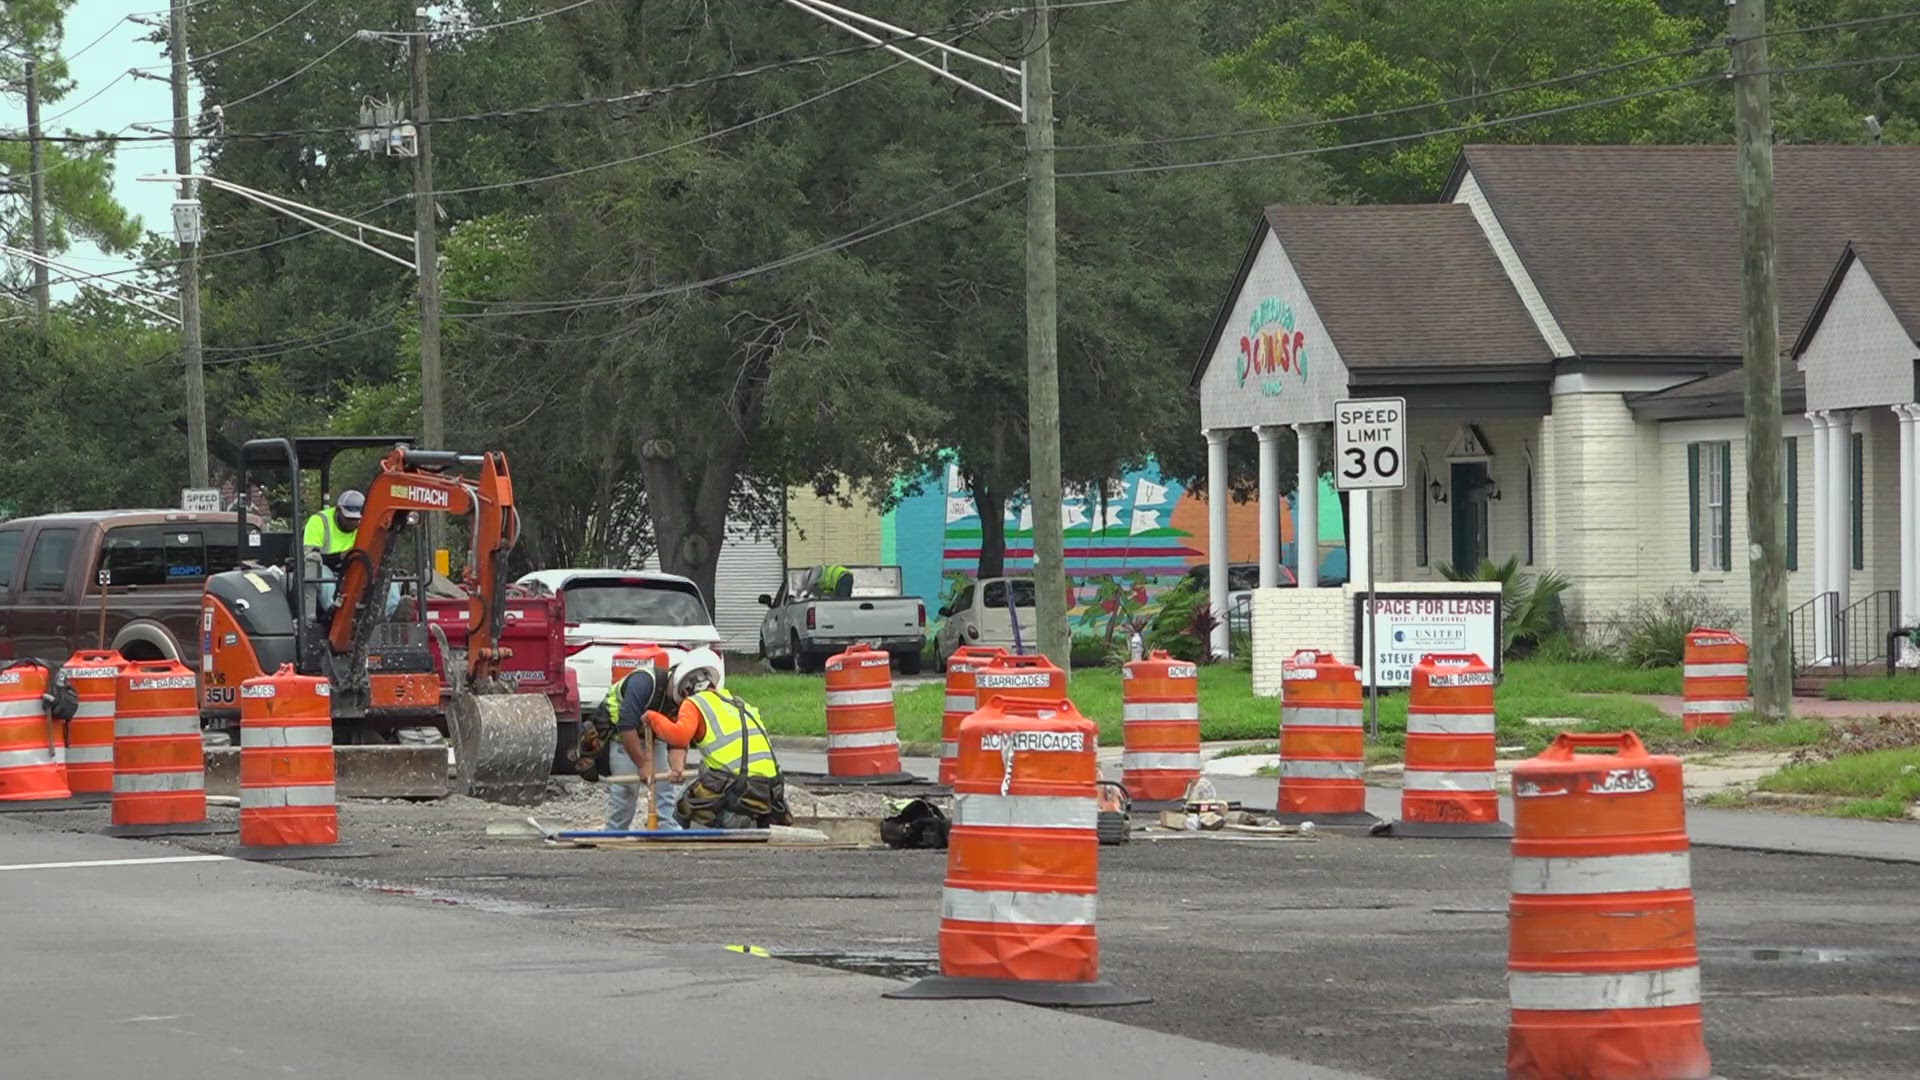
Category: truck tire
[805,662]
[909,662]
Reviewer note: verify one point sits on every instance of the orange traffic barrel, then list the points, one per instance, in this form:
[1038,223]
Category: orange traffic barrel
[1714,678]
[965,662]
[33,755]
[94,675]
[287,807]
[1030,677]
[1160,714]
[1322,743]
[1023,861]
[1448,785]
[862,743]
[1603,972]
[159,764]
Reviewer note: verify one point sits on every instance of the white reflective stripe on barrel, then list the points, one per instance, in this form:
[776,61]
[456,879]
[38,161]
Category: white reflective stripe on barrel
[950,750]
[1322,770]
[1160,710]
[1026,811]
[273,798]
[94,710]
[1713,707]
[264,736]
[1590,875]
[16,759]
[1442,780]
[90,755]
[137,727]
[961,703]
[1144,762]
[1025,908]
[882,696]
[28,707]
[1319,716]
[126,783]
[1461,723]
[1616,990]
[1715,671]
[857,739]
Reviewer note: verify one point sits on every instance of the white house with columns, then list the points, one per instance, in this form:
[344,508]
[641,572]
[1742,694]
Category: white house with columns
[1565,326]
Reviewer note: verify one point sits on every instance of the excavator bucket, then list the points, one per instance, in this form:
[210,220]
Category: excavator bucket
[503,745]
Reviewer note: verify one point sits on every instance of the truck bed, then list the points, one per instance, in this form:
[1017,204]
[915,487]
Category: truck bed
[535,635]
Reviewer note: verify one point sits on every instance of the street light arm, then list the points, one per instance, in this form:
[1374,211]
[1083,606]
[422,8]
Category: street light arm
[919,39]
[299,212]
[823,14]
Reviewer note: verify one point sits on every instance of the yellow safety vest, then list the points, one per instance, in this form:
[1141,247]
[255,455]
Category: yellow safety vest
[323,532]
[618,689]
[733,732]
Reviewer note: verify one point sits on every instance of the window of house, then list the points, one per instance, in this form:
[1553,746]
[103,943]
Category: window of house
[1529,512]
[1710,516]
[1420,518]
[1792,488]
[47,566]
[1859,501]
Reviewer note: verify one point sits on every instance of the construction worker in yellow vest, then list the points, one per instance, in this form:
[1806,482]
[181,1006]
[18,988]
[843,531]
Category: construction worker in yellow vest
[836,582]
[739,785]
[331,531]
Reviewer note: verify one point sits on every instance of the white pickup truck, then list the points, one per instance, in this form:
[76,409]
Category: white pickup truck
[804,625]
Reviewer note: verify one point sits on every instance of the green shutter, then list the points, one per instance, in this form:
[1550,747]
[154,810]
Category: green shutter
[1693,505]
[1726,506]
[1793,503]
[1859,502]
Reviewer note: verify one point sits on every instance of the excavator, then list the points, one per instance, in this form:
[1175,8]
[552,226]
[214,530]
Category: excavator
[359,620]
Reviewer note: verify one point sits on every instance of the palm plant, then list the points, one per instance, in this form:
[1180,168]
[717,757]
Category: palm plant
[1530,607]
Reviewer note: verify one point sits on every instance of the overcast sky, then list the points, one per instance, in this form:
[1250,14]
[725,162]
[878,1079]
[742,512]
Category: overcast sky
[106,98]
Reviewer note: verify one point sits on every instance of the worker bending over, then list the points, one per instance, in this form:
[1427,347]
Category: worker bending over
[630,700]
[739,785]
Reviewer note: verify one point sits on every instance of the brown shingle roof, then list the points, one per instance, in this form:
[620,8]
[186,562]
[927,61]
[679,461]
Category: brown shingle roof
[1724,394]
[1636,249]
[1894,265]
[1407,286]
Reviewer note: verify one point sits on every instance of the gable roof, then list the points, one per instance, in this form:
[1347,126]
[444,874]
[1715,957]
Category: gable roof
[1399,287]
[1892,262]
[1636,249]
[1719,395]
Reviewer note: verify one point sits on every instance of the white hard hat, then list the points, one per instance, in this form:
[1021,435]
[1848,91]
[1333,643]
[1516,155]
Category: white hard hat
[695,664]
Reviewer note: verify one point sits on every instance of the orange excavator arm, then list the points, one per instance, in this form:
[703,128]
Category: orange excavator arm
[419,481]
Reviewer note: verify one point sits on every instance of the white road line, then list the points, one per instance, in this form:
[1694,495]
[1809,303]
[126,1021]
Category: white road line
[157,861]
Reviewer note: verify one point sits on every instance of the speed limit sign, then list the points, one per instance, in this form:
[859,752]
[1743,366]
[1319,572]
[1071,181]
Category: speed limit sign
[1370,444]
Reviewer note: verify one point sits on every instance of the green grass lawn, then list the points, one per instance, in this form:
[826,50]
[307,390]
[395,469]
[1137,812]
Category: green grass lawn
[1878,784]
[1593,693]
[1879,688]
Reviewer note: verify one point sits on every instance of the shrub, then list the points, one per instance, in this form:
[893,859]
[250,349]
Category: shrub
[1530,610]
[1173,628]
[1654,632]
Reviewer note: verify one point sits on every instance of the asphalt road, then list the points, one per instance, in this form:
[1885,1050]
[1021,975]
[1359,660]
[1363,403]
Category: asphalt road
[119,966]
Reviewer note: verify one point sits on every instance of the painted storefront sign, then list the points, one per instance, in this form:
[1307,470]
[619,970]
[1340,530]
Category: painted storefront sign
[1273,351]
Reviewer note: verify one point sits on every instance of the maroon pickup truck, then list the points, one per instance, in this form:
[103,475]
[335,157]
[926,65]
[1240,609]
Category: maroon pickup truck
[157,561]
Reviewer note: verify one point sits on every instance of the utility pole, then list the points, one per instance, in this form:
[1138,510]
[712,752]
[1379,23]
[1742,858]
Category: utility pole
[1043,350]
[426,252]
[37,192]
[1760,338]
[426,246]
[187,231]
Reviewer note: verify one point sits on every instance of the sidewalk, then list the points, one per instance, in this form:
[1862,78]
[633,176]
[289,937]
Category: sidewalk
[1741,829]
[1814,708]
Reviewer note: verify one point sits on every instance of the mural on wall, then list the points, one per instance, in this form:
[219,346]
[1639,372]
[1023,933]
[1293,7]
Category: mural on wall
[1272,347]
[1150,525]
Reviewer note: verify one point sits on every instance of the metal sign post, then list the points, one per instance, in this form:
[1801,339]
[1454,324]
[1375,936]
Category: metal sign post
[1370,453]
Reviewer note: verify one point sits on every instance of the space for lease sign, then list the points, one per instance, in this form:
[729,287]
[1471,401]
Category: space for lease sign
[1412,625]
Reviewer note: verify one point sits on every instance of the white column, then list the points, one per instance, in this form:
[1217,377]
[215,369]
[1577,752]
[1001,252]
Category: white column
[1822,536]
[1306,508]
[1269,506]
[1217,496]
[1909,540]
[1840,509]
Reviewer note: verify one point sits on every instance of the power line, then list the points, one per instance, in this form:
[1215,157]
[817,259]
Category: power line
[450,31]
[223,50]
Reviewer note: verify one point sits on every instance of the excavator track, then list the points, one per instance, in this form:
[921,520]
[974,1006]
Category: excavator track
[503,745]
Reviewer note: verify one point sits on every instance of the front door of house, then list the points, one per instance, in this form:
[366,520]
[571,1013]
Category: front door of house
[1470,488]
